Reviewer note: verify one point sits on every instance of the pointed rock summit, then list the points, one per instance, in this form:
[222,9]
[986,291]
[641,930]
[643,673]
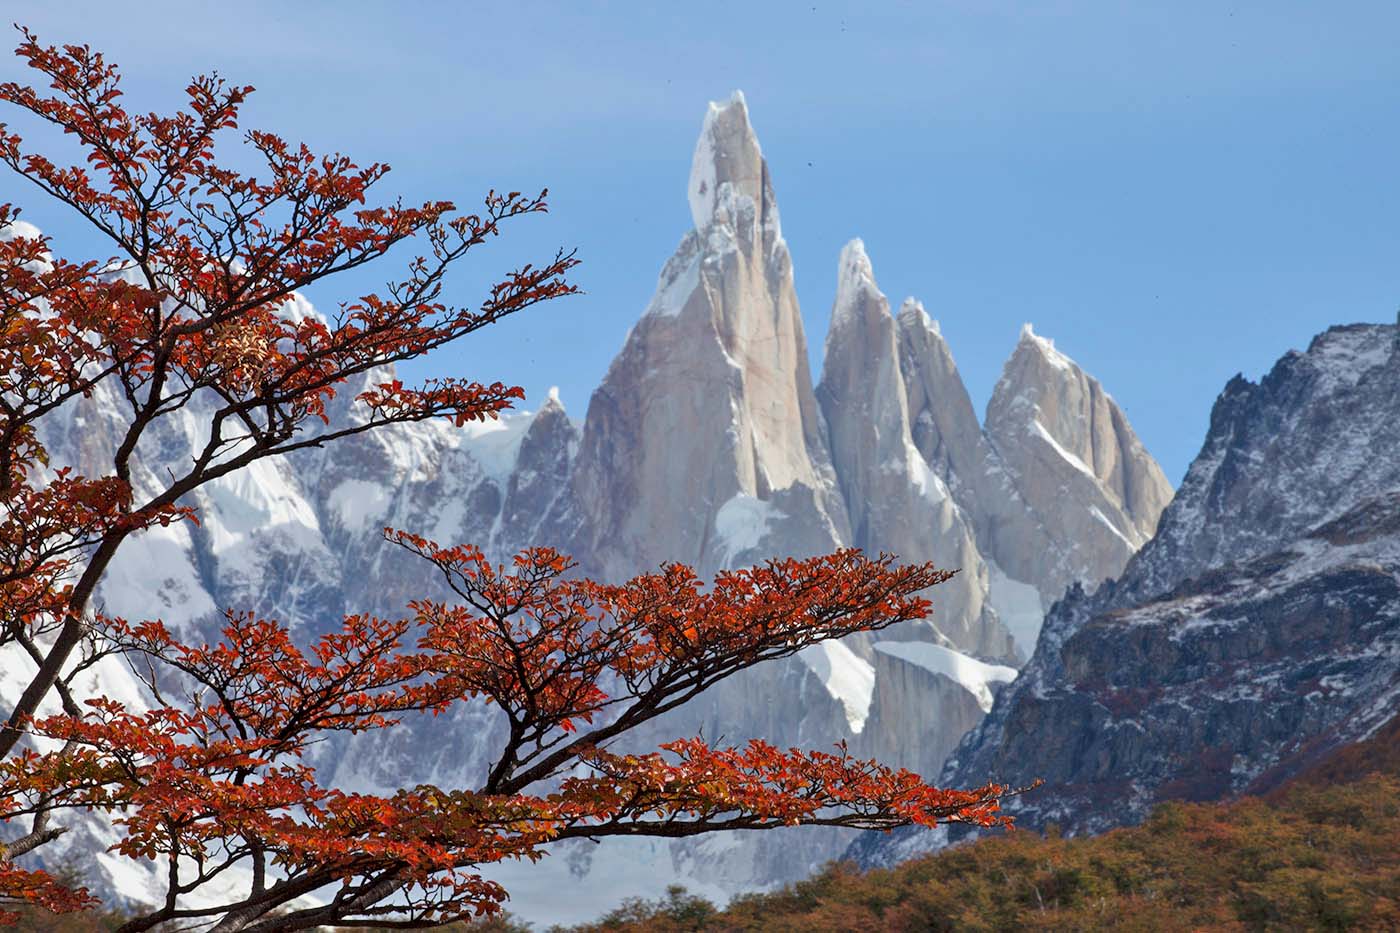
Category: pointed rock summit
[895,501]
[541,474]
[728,170]
[704,442]
[1076,464]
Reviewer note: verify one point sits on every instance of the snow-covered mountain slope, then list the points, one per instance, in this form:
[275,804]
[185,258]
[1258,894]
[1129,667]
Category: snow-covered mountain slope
[1259,629]
[297,537]
[708,443]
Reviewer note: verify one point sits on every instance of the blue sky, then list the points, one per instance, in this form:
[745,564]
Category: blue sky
[1173,192]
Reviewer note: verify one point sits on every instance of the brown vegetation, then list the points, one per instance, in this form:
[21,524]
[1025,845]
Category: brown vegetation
[1320,853]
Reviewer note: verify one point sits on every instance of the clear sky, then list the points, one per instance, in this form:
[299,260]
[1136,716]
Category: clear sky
[1175,192]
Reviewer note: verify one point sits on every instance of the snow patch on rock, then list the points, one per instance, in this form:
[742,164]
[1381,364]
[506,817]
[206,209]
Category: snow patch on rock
[742,522]
[153,577]
[358,502]
[1103,519]
[495,443]
[679,279]
[972,675]
[1064,454]
[927,483]
[252,500]
[1019,606]
[847,677]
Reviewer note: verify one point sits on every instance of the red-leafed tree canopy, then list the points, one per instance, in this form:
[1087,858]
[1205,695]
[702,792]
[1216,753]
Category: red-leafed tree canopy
[209,777]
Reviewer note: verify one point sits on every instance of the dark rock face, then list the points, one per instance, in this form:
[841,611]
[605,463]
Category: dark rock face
[1316,436]
[1259,629]
[1200,694]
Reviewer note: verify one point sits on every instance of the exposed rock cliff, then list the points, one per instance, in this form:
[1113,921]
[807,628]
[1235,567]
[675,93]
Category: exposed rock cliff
[1067,450]
[704,443]
[896,500]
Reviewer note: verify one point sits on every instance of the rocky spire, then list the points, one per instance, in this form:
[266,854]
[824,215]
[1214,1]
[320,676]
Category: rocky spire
[704,442]
[942,421]
[1077,465]
[728,171]
[895,501]
[540,475]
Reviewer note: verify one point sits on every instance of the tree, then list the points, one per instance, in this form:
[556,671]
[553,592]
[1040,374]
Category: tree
[210,777]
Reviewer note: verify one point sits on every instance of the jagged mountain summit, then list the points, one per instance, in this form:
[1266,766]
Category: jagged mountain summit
[1257,631]
[706,442]
[896,501]
[1058,487]
[1059,438]
[1315,437]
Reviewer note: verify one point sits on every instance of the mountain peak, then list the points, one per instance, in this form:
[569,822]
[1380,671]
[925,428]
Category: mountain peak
[728,162]
[1309,441]
[1044,347]
[856,274]
[1076,462]
[912,313]
[859,304]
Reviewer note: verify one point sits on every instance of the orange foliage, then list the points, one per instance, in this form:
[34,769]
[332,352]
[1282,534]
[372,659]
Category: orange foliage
[1317,853]
[213,775]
